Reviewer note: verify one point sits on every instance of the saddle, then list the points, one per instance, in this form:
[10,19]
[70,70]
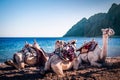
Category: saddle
[64,55]
[87,47]
[68,56]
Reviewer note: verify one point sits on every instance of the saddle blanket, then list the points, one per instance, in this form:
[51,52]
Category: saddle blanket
[89,46]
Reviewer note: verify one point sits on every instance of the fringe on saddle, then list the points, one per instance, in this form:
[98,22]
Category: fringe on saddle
[89,46]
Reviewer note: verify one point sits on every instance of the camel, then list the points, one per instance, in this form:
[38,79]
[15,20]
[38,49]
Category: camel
[30,55]
[98,55]
[59,64]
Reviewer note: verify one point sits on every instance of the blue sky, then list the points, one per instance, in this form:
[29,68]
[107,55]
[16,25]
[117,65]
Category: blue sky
[46,18]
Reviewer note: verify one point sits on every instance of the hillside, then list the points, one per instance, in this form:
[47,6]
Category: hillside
[92,27]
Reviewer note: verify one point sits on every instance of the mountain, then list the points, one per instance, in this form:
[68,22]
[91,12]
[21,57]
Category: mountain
[92,27]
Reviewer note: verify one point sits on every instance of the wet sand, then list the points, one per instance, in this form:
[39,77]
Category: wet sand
[109,72]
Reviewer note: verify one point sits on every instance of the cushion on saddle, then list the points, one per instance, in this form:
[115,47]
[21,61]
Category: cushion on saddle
[90,46]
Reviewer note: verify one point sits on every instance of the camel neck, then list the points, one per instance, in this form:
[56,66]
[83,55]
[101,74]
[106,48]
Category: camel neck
[104,48]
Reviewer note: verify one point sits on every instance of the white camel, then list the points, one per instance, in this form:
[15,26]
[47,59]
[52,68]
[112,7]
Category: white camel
[30,55]
[58,65]
[98,55]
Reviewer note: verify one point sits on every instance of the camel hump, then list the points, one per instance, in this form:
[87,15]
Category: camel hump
[93,46]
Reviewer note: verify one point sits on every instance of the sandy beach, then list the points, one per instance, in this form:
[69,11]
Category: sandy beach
[109,72]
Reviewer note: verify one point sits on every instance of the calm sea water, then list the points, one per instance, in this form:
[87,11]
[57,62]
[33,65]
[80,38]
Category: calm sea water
[8,46]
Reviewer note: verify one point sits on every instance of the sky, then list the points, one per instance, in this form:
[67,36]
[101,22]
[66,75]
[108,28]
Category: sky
[46,18]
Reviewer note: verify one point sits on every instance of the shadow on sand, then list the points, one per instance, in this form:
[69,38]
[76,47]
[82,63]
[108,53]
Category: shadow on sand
[108,72]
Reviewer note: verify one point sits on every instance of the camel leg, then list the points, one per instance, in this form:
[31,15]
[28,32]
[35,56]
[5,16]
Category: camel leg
[57,68]
[76,63]
[19,60]
[94,63]
[93,59]
[11,63]
[47,66]
[22,65]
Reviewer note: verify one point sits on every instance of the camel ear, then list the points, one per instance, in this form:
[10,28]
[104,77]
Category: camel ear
[26,42]
[85,42]
[58,41]
[102,29]
[73,41]
[35,41]
[93,39]
[36,45]
[113,31]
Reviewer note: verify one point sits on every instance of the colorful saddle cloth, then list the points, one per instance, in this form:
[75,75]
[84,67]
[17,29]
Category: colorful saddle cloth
[65,55]
[89,46]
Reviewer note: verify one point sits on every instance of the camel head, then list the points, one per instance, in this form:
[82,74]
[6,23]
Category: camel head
[71,52]
[70,47]
[73,42]
[30,56]
[108,31]
[27,44]
[59,44]
[28,49]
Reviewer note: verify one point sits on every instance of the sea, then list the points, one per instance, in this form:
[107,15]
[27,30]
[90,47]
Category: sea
[8,46]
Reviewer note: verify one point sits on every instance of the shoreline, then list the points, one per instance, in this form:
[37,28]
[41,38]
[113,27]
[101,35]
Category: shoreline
[109,72]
